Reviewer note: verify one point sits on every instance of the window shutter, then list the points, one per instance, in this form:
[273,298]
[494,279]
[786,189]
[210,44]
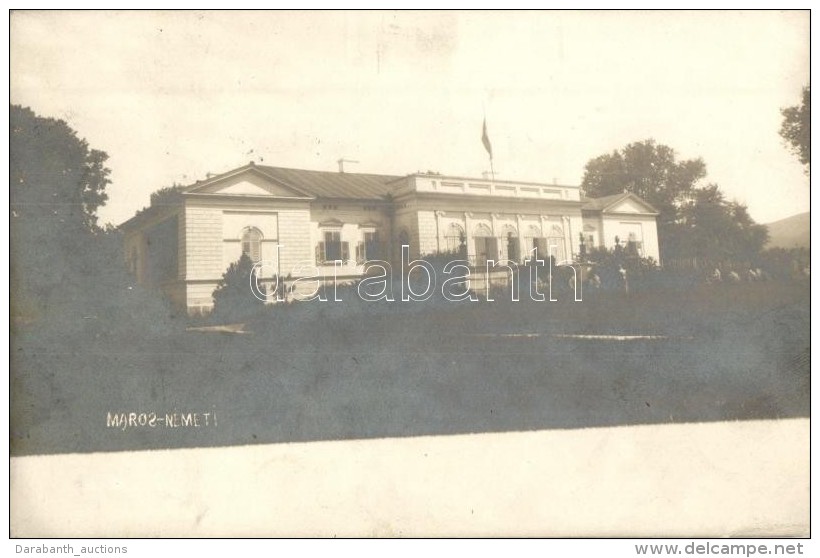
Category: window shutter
[345,251]
[320,252]
[360,253]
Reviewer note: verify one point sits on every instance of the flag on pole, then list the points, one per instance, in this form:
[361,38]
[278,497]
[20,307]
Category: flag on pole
[485,139]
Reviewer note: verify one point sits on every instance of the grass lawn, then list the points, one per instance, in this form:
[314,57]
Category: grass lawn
[321,371]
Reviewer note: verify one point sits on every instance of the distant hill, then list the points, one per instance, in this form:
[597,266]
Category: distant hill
[790,232]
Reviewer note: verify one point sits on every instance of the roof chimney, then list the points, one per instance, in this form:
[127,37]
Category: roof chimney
[342,162]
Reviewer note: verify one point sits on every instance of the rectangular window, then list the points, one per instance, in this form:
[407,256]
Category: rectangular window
[633,244]
[540,245]
[369,248]
[513,252]
[332,248]
[634,237]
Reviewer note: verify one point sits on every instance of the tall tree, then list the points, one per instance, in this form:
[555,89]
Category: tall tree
[55,177]
[57,183]
[694,221]
[62,264]
[649,170]
[715,229]
[796,128]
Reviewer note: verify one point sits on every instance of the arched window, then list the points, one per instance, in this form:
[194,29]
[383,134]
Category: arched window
[252,243]
[482,230]
[555,244]
[454,239]
[533,240]
[485,245]
[510,247]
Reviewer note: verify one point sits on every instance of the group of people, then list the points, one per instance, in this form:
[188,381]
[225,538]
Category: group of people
[752,274]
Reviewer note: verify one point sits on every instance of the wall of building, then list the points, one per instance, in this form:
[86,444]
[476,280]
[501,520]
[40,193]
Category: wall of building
[209,229]
[483,187]
[351,219]
[621,225]
[203,240]
[213,233]
[151,241]
[406,219]
[438,217]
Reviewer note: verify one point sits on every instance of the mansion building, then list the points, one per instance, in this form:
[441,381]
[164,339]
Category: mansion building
[303,223]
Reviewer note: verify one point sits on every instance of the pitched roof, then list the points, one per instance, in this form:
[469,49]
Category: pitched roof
[604,202]
[324,184]
[597,204]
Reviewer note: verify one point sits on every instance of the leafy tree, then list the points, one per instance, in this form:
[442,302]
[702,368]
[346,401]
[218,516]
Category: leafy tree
[234,297]
[57,183]
[64,267]
[694,221]
[648,170]
[715,229]
[55,177]
[796,128]
[70,293]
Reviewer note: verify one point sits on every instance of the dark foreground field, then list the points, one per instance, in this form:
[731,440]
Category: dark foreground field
[326,371]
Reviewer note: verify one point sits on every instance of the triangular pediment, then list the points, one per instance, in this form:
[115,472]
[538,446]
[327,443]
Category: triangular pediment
[247,182]
[630,204]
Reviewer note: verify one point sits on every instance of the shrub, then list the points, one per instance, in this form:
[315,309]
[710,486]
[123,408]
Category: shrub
[234,297]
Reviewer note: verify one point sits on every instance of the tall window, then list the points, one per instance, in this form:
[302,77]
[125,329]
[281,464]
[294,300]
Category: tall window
[454,240]
[486,245]
[590,236]
[510,247]
[369,248]
[634,244]
[252,243]
[132,260]
[332,248]
[555,243]
[533,239]
[634,237]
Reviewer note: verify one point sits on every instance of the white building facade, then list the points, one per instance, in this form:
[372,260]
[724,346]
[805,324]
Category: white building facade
[302,223]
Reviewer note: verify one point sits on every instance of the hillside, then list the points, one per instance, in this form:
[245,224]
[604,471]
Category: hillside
[790,232]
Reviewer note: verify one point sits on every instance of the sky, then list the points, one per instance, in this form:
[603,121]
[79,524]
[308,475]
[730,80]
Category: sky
[173,96]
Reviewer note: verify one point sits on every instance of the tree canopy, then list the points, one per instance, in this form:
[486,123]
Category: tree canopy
[55,176]
[716,229]
[63,264]
[796,128]
[648,170]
